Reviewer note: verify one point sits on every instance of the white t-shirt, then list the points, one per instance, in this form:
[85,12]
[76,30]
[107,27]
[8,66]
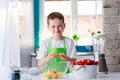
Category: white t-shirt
[70,47]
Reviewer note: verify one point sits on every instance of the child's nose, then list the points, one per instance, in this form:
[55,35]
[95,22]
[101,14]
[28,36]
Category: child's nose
[57,28]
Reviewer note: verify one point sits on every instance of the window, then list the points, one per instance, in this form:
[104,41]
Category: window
[89,18]
[61,6]
[80,16]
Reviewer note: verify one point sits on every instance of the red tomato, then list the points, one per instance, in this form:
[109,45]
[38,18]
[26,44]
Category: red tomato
[89,62]
[84,61]
[80,63]
[95,62]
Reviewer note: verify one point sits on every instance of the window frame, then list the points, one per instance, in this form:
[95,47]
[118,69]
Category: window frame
[74,16]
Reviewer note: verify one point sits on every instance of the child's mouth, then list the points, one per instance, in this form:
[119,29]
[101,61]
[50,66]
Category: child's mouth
[58,32]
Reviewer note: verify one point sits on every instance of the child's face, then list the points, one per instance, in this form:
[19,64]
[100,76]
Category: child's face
[56,26]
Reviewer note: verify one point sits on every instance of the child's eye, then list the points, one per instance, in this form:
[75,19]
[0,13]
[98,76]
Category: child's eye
[60,26]
[53,26]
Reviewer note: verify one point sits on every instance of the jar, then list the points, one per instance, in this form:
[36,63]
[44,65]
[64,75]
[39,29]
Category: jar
[16,75]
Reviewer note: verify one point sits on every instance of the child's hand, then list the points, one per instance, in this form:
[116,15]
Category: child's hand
[51,56]
[62,56]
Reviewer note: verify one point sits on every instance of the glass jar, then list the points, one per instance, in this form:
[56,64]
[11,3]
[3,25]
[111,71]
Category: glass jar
[15,75]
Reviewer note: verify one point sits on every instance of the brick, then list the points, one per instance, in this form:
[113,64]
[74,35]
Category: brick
[115,52]
[111,28]
[107,52]
[112,60]
[111,3]
[115,44]
[110,36]
[119,45]
[113,68]
[118,36]
[111,20]
[112,44]
[108,46]
[111,11]
[108,32]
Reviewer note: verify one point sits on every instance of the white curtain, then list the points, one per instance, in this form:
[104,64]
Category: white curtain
[9,37]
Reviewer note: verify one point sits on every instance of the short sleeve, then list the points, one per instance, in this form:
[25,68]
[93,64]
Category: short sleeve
[42,51]
[72,50]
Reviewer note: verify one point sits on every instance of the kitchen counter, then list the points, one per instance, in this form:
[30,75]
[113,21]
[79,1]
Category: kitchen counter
[109,76]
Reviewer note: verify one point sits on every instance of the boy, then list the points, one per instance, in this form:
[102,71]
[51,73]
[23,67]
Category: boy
[56,48]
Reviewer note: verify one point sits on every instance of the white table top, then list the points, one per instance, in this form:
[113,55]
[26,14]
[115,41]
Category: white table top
[109,76]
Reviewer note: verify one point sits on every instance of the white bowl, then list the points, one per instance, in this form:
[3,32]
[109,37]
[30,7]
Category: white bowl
[89,71]
[32,71]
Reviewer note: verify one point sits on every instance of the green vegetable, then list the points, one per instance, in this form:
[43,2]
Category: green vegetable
[75,37]
[91,32]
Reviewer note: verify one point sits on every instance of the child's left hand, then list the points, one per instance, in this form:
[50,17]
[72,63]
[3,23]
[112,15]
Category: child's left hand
[62,56]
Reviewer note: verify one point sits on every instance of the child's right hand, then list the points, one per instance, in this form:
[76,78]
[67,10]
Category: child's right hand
[51,56]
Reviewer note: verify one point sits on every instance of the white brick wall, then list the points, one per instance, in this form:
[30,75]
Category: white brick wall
[118,35]
[115,52]
[111,12]
[112,44]
[107,52]
[112,60]
[114,68]
[112,3]
[111,21]
[111,28]
[110,36]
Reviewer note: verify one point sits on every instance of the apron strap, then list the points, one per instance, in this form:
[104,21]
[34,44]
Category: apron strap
[64,42]
[49,45]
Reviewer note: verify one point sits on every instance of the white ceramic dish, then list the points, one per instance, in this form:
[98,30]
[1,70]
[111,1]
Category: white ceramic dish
[89,71]
[31,71]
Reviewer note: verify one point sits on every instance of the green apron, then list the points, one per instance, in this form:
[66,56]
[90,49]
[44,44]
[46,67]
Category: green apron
[56,64]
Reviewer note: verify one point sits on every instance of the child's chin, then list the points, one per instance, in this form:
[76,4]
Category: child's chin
[58,35]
